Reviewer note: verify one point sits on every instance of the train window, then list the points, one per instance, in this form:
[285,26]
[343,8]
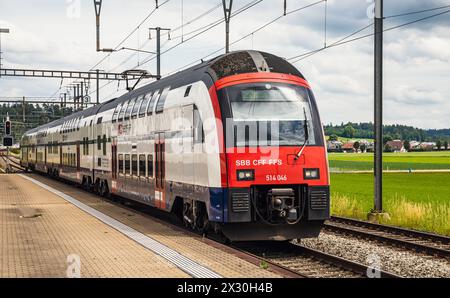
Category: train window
[99,142]
[121,163]
[149,165]
[199,136]
[122,111]
[127,164]
[144,104]
[152,102]
[136,107]
[162,100]
[134,165]
[104,144]
[129,108]
[116,113]
[188,90]
[99,120]
[141,165]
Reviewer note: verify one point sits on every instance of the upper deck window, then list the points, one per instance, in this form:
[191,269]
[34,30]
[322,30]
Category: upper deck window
[162,100]
[136,107]
[130,108]
[116,112]
[154,99]
[122,111]
[144,104]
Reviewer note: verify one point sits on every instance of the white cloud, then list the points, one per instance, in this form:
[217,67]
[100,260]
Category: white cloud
[416,68]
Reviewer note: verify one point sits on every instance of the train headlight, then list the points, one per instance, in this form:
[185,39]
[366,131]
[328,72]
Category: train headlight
[245,175]
[310,174]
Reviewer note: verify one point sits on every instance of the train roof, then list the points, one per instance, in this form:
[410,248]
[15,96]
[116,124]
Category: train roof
[221,66]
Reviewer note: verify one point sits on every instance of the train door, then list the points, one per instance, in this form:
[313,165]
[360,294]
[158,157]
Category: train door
[45,155]
[114,163]
[160,181]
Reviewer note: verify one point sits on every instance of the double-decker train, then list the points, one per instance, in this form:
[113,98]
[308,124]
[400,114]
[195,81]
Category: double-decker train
[233,145]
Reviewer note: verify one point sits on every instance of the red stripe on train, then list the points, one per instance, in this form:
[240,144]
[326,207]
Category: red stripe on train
[260,77]
[220,137]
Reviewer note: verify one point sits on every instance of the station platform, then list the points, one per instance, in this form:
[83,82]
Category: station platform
[50,229]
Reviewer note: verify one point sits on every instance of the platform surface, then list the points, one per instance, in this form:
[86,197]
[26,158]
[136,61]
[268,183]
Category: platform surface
[42,235]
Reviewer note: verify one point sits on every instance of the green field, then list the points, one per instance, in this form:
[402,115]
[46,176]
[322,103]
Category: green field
[414,200]
[391,161]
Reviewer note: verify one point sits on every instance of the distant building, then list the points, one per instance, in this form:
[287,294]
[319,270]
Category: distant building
[348,147]
[415,145]
[427,146]
[396,145]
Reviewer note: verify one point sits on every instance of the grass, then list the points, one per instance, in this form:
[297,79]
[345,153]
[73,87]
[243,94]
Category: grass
[418,201]
[391,161]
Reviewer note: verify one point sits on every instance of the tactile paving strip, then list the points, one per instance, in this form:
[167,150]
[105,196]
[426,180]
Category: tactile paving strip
[184,263]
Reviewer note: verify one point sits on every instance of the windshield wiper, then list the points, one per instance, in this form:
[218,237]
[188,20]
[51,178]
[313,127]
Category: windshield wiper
[305,128]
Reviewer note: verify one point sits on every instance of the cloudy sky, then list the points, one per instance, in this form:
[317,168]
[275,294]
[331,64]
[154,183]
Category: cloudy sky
[60,34]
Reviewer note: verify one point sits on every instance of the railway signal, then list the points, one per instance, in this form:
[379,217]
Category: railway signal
[8,127]
[7,139]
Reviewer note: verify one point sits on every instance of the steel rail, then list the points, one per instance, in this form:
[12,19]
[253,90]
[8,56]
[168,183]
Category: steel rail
[423,242]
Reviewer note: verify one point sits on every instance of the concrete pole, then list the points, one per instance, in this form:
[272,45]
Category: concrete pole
[378,107]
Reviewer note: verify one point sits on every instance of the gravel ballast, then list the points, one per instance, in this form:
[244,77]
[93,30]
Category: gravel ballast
[401,262]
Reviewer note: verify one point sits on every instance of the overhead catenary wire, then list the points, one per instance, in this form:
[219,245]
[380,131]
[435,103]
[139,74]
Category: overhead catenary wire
[130,34]
[242,9]
[253,32]
[124,39]
[335,44]
[191,21]
[343,40]
[416,12]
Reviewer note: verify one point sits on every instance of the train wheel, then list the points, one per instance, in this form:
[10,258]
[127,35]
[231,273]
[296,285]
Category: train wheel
[105,189]
[201,223]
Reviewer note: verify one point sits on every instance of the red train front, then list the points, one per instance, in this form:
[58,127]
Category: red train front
[275,160]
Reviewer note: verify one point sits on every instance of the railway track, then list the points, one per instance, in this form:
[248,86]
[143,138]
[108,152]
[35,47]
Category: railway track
[422,242]
[308,262]
[14,166]
[285,258]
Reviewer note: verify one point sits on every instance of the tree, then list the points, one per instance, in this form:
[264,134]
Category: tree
[446,145]
[438,144]
[406,145]
[363,147]
[387,148]
[356,145]
[333,137]
[387,138]
[349,131]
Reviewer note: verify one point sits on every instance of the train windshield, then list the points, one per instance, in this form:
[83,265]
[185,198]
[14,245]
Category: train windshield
[268,114]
